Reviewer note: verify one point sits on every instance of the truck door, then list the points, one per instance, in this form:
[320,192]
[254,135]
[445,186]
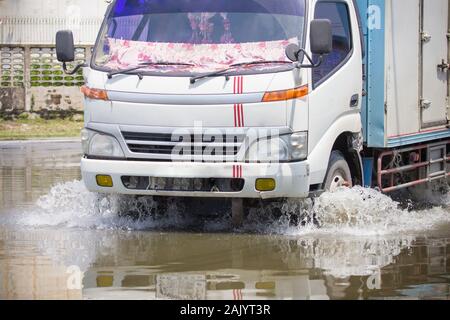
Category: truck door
[337,82]
[435,24]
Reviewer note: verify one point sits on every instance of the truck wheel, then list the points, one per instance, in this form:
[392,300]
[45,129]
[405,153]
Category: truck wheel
[338,174]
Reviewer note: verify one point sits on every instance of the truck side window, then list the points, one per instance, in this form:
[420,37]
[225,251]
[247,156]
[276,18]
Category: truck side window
[338,14]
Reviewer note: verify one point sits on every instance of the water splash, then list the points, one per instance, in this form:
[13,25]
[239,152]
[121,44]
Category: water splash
[69,205]
[357,211]
[362,211]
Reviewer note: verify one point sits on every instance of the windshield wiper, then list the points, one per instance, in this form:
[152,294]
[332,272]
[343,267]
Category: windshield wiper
[145,64]
[234,66]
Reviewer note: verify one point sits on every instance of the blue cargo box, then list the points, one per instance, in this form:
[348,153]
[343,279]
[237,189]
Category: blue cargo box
[406,92]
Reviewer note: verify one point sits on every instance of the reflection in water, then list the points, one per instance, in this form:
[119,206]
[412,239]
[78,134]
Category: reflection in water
[72,244]
[26,169]
[145,265]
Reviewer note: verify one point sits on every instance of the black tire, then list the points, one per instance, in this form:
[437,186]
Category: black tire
[338,173]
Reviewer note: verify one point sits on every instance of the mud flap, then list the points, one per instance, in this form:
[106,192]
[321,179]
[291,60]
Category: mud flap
[237,212]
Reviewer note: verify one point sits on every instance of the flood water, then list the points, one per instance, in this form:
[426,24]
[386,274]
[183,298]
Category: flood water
[58,241]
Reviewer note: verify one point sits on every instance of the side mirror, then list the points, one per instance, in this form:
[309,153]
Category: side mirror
[321,39]
[65,48]
[292,52]
[321,36]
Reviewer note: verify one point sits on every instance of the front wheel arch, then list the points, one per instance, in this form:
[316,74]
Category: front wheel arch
[344,144]
[338,172]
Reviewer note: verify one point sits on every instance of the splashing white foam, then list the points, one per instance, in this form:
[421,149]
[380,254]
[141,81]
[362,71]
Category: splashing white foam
[362,211]
[71,205]
[357,211]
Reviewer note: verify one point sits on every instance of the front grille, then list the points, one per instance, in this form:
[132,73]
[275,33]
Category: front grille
[143,136]
[141,148]
[183,184]
[182,145]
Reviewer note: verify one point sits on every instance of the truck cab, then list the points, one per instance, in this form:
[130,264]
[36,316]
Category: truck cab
[233,99]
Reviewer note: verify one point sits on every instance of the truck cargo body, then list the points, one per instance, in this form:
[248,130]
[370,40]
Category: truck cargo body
[406,81]
[373,111]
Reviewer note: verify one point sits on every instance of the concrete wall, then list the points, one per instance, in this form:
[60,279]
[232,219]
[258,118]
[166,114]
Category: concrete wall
[32,81]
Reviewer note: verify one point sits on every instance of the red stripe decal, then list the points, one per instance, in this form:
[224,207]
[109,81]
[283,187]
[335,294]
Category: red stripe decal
[238,91]
[239,116]
[237,294]
[238,172]
[235,115]
[238,88]
[241,91]
[235,105]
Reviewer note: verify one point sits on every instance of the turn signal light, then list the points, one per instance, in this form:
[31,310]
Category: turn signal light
[265,185]
[104,181]
[286,94]
[95,94]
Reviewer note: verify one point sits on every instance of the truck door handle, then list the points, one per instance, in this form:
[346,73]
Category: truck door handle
[444,66]
[354,101]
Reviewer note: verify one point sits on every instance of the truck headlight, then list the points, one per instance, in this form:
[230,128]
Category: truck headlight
[298,143]
[100,145]
[268,150]
[85,138]
[291,147]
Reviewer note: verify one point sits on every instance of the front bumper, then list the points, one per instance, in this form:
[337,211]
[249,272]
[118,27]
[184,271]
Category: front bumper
[292,179]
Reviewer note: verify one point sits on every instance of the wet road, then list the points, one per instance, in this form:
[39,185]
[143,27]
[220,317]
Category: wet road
[58,241]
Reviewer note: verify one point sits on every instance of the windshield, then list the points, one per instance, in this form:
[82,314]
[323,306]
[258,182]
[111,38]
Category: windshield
[200,35]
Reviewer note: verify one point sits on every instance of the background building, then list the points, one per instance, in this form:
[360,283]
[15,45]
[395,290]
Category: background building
[31,79]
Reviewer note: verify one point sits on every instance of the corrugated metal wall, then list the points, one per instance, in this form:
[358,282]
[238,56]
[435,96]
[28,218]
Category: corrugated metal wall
[35,22]
[42,30]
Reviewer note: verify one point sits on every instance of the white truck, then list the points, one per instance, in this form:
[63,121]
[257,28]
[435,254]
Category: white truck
[265,99]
